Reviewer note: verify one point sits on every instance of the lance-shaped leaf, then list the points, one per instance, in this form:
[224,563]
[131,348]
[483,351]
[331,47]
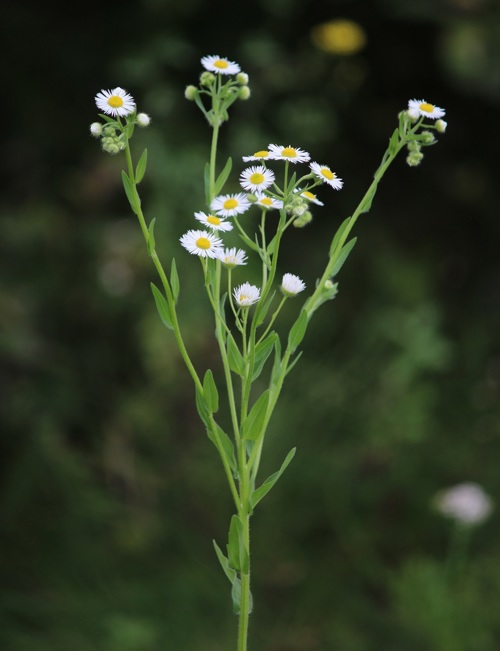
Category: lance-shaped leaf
[223,176]
[228,571]
[338,235]
[174,280]
[276,371]
[132,196]
[298,331]
[237,552]
[263,309]
[394,141]
[140,170]
[262,352]
[236,597]
[151,236]
[236,361]
[224,445]
[254,422]
[264,489]
[162,306]
[202,408]
[210,392]
[336,263]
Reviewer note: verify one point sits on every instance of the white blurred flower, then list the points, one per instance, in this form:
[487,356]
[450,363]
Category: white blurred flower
[233,257]
[246,294]
[421,108]
[466,503]
[213,222]
[229,205]
[291,285]
[202,243]
[325,174]
[220,65]
[290,154]
[269,203]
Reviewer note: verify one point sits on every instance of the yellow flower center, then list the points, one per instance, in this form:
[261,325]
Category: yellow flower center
[244,297]
[266,201]
[211,219]
[230,203]
[221,64]
[256,178]
[289,152]
[308,195]
[115,101]
[428,108]
[261,154]
[328,174]
[203,243]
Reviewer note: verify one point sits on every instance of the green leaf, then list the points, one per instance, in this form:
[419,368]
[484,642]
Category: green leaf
[174,280]
[228,571]
[210,392]
[162,306]
[236,551]
[264,489]
[224,445]
[236,597]
[394,141]
[367,204]
[298,331]
[336,264]
[202,409]
[151,236]
[223,176]
[276,371]
[250,243]
[338,235]
[140,170]
[253,423]
[264,309]
[262,352]
[130,192]
[236,361]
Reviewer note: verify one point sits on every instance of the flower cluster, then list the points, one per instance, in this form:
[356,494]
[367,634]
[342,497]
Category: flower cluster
[417,111]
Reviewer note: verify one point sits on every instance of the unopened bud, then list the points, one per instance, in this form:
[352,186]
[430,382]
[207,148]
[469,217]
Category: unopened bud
[143,119]
[242,78]
[96,129]
[244,92]
[190,93]
[441,126]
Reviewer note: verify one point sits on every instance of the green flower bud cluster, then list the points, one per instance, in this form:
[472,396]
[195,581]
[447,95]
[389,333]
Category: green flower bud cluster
[111,142]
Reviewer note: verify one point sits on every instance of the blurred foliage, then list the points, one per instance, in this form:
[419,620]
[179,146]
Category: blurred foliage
[111,493]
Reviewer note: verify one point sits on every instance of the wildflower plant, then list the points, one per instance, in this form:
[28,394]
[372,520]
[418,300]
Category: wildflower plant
[277,184]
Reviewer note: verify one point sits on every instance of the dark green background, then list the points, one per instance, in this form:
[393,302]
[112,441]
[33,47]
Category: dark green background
[110,491]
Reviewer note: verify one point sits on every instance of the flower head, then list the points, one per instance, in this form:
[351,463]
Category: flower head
[143,119]
[291,154]
[220,65]
[246,294]
[257,178]
[466,503]
[420,108]
[269,203]
[309,196]
[233,257]
[229,205]
[202,243]
[326,175]
[263,154]
[291,285]
[116,102]
[213,222]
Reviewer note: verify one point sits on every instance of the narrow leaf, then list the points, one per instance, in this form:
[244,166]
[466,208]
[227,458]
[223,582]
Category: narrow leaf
[162,306]
[174,280]
[202,408]
[151,236]
[210,392]
[336,264]
[225,446]
[276,371]
[298,331]
[236,596]
[236,361]
[130,192]
[394,141]
[338,235]
[223,176]
[228,571]
[140,170]
[264,489]
[264,309]
[252,425]
[234,542]
[262,352]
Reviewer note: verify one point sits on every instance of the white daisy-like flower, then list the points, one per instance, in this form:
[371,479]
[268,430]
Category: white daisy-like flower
[291,154]
[291,285]
[229,205]
[116,102]
[420,108]
[213,222]
[220,65]
[467,503]
[233,257]
[269,203]
[202,243]
[257,178]
[263,154]
[246,294]
[310,196]
[326,175]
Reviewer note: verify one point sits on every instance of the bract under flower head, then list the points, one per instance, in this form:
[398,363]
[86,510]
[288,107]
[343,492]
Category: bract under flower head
[291,285]
[269,203]
[202,243]
[229,205]
[213,222]
[263,154]
[291,154]
[116,102]
[257,178]
[421,108]
[246,294]
[233,257]
[326,175]
[220,65]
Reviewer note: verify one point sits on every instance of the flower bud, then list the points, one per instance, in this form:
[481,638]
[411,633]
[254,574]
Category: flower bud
[441,126]
[207,78]
[242,78]
[143,119]
[414,158]
[413,114]
[96,129]
[190,93]
[244,92]
[427,138]
[303,220]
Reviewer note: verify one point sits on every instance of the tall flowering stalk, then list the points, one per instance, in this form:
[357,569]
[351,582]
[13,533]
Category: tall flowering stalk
[277,193]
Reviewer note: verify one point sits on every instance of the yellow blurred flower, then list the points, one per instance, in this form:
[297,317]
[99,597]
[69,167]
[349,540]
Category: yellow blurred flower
[340,36]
